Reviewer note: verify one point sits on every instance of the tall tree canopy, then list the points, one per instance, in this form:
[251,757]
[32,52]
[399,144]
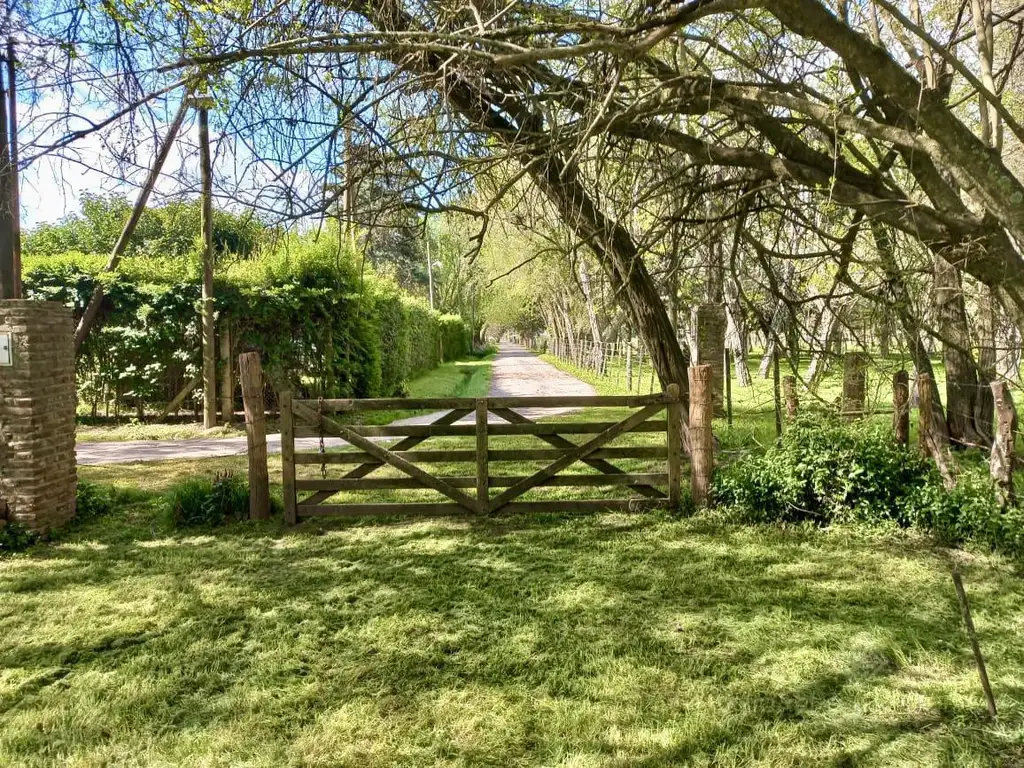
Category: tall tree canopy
[837,152]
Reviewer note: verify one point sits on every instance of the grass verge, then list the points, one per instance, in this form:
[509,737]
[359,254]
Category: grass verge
[469,377]
[606,640]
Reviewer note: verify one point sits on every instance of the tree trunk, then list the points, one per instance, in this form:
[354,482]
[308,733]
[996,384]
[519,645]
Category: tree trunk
[595,328]
[961,372]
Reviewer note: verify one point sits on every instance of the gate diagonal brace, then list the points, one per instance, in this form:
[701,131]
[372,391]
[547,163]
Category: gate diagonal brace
[387,457]
[579,453]
[557,441]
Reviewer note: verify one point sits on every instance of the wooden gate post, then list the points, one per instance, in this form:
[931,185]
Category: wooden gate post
[792,401]
[854,385]
[251,374]
[629,365]
[1002,457]
[288,457]
[901,407]
[483,496]
[675,427]
[701,444]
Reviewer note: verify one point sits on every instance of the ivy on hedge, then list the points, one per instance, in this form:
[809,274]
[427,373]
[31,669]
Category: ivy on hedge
[324,324]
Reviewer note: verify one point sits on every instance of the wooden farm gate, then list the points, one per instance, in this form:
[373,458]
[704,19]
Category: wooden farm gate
[468,417]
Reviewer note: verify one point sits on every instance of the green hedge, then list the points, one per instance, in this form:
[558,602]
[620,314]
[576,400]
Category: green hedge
[324,323]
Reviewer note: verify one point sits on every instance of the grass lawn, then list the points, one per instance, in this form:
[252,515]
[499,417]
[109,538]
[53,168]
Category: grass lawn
[605,640]
[469,377]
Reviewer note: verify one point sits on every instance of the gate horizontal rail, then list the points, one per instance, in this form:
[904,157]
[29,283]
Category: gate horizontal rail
[316,418]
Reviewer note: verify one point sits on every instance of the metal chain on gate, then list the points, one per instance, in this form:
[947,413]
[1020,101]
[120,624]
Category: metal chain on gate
[320,428]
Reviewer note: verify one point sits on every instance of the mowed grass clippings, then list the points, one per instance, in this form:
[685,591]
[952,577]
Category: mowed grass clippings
[606,640]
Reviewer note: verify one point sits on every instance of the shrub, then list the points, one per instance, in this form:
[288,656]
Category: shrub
[204,501]
[15,537]
[92,501]
[826,471]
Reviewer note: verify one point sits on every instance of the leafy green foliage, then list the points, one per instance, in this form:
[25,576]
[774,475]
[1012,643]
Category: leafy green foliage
[826,471]
[323,326]
[92,501]
[204,501]
[15,537]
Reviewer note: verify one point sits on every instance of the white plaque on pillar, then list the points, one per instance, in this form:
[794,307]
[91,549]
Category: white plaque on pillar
[5,348]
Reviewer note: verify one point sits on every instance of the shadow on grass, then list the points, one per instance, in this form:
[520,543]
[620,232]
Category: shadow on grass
[604,640]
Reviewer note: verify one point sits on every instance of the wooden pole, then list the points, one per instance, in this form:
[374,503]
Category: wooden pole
[251,374]
[727,362]
[12,124]
[8,214]
[1002,458]
[927,440]
[901,407]
[206,225]
[287,459]
[979,660]
[777,394]
[854,385]
[93,307]
[792,401]
[483,496]
[227,375]
[629,365]
[701,442]
[675,428]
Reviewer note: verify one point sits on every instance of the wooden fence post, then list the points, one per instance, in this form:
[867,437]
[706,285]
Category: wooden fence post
[483,498]
[227,374]
[927,440]
[675,428]
[792,401]
[1002,457]
[251,374]
[777,394]
[288,457]
[727,373]
[901,407]
[629,365]
[701,444]
[854,385]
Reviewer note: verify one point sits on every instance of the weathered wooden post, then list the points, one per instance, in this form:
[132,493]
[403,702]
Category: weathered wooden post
[854,385]
[675,428]
[1002,457]
[901,407]
[287,457]
[927,440]
[792,401]
[924,412]
[727,373]
[251,374]
[227,374]
[777,396]
[629,365]
[701,443]
[483,498]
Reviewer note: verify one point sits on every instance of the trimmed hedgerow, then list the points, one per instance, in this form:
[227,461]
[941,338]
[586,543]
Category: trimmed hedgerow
[323,324]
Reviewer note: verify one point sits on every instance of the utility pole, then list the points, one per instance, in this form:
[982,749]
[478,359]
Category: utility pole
[10,279]
[430,272]
[206,224]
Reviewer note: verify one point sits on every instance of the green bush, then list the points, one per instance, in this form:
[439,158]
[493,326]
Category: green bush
[92,501]
[206,502]
[323,325]
[826,471]
[15,537]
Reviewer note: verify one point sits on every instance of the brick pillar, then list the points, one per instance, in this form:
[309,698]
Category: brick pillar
[708,348]
[37,414]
